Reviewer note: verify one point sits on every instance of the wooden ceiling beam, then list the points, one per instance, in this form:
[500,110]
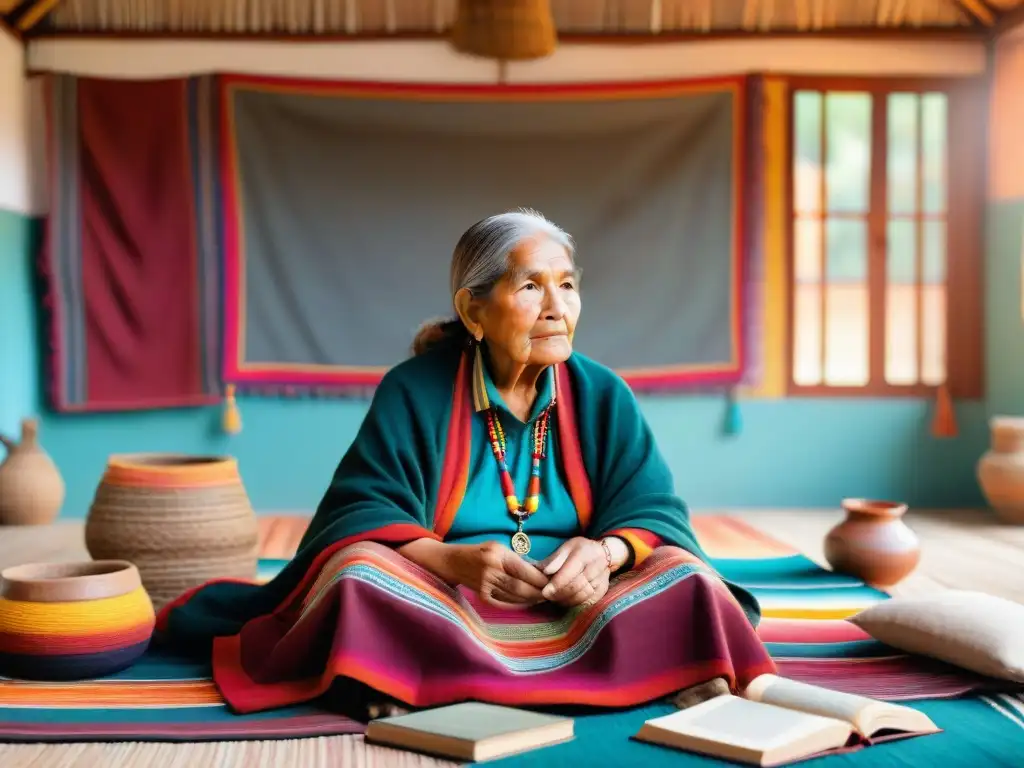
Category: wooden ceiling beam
[30,14]
[978,11]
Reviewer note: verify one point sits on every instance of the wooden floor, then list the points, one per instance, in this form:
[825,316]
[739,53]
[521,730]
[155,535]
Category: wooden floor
[963,549]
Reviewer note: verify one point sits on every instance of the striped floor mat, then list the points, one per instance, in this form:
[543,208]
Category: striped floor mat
[804,627]
[167,699]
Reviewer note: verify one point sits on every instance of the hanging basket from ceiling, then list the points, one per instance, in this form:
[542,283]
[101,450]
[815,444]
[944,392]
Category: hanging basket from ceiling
[505,29]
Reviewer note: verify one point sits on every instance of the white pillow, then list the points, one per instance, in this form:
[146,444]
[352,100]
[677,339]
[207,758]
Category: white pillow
[972,630]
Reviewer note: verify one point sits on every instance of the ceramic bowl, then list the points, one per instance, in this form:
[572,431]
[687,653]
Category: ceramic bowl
[72,621]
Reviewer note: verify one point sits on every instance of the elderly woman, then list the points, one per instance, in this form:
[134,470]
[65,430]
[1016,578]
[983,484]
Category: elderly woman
[503,528]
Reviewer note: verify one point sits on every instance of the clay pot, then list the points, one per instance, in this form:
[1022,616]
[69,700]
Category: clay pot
[183,520]
[72,621]
[873,543]
[1001,469]
[31,488]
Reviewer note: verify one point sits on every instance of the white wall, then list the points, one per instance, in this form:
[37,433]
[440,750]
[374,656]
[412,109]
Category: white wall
[15,194]
[436,61]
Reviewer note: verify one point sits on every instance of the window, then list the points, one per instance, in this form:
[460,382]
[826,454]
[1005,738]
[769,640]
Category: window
[873,275]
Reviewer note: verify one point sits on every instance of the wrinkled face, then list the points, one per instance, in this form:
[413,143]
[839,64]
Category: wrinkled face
[531,314]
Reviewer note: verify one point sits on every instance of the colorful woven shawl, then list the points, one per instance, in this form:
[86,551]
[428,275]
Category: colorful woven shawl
[405,473]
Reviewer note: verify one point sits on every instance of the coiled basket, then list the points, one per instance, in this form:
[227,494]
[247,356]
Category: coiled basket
[72,621]
[183,520]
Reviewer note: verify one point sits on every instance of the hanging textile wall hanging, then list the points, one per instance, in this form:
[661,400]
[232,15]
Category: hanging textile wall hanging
[281,236]
[342,204]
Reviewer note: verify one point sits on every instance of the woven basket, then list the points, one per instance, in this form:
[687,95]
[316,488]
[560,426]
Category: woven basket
[182,520]
[505,29]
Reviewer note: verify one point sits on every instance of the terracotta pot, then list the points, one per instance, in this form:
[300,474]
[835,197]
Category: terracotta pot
[183,520]
[1001,469]
[873,543]
[31,488]
[72,621]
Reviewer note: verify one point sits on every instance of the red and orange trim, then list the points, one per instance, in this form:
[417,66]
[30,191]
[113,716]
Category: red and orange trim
[643,543]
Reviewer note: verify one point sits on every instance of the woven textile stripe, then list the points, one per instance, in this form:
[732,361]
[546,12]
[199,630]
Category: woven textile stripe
[633,646]
[804,608]
[169,699]
[1009,705]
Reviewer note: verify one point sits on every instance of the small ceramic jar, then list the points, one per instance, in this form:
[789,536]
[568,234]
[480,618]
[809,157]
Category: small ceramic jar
[873,543]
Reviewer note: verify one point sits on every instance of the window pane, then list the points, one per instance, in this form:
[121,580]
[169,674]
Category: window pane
[901,333]
[901,171]
[807,246]
[933,303]
[846,334]
[847,250]
[807,334]
[848,151]
[901,253]
[846,303]
[807,152]
[934,264]
[933,323]
[901,303]
[933,139]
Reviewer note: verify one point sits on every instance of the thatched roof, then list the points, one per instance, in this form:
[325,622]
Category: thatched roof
[656,18]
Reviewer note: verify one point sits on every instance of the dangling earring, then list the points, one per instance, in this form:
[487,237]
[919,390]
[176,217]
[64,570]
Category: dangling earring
[477,354]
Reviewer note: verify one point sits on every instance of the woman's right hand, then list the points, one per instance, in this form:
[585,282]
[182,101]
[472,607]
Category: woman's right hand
[497,574]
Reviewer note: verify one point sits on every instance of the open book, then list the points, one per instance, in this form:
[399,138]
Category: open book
[470,731]
[779,721]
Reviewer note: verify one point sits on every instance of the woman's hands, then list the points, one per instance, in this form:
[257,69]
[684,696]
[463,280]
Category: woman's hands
[580,569]
[576,573]
[497,574]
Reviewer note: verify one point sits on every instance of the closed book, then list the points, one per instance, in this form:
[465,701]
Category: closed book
[470,731]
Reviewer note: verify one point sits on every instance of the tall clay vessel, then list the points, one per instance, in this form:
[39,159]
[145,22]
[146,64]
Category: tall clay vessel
[31,488]
[182,520]
[873,543]
[1001,469]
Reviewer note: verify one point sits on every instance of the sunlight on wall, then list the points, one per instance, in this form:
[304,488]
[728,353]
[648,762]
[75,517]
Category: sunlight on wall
[14,166]
[1007,119]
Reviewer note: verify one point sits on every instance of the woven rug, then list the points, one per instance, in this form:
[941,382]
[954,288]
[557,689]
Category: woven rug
[164,698]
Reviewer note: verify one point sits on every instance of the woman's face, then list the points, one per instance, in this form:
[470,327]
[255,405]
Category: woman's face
[531,314]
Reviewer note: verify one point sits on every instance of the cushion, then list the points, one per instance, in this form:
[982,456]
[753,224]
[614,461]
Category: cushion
[971,630]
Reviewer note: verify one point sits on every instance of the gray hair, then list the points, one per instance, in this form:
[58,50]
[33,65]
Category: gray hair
[482,258]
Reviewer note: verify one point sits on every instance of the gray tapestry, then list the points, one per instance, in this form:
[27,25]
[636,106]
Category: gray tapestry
[348,208]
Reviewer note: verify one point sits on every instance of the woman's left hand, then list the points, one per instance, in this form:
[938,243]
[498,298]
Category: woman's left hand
[579,572]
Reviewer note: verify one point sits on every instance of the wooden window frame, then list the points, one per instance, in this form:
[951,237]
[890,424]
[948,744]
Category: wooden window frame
[965,210]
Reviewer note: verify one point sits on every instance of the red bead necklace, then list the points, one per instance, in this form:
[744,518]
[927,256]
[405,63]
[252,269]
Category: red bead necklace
[521,512]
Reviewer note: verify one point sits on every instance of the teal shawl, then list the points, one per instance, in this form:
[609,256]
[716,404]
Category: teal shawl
[404,475]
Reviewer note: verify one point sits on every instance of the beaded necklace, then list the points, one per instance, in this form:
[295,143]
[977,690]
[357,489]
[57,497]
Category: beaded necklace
[521,512]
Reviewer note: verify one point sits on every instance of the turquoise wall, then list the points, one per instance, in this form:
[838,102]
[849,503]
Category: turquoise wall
[791,453]
[19,378]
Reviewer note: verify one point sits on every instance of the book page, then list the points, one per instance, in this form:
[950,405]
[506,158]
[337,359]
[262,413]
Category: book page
[867,716]
[746,724]
[791,694]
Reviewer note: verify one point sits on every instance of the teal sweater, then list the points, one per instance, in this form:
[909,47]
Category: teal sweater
[406,476]
[483,514]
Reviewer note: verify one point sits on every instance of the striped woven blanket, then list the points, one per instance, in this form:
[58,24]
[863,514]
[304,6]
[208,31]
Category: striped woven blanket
[164,698]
